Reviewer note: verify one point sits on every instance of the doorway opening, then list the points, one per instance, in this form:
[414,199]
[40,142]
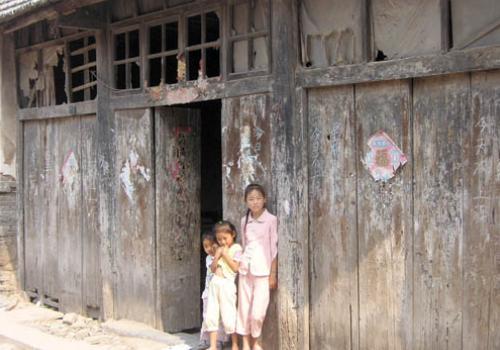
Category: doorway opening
[211,163]
[188,161]
[211,172]
[210,177]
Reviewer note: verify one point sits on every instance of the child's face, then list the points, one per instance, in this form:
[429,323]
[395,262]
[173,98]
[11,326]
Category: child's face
[209,247]
[255,201]
[224,238]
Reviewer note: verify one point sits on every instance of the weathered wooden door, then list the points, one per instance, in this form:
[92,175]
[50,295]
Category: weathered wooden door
[177,148]
[60,237]
[406,264]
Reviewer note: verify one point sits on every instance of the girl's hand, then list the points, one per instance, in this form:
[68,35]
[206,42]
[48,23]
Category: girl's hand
[273,281]
[224,251]
[218,253]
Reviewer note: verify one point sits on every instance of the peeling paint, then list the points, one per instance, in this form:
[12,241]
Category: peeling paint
[286,207]
[248,161]
[131,170]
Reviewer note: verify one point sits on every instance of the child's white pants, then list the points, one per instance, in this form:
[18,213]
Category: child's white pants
[221,305]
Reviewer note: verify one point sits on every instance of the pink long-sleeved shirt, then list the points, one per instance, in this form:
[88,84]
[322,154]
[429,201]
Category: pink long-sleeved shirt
[260,244]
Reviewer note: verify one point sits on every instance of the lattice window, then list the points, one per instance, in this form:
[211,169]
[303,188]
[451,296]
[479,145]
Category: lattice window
[63,71]
[163,51]
[126,63]
[203,45]
[83,74]
[249,49]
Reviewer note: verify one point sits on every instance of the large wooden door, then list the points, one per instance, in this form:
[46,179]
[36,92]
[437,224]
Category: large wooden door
[177,148]
[61,237]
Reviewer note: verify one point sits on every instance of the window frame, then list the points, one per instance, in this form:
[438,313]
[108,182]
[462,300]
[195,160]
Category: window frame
[249,37]
[127,61]
[162,54]
[203,46]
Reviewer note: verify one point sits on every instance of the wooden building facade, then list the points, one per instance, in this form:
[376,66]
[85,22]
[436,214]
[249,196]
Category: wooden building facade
[139,123]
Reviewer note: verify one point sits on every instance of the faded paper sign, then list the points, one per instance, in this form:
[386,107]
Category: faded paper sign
[384,157]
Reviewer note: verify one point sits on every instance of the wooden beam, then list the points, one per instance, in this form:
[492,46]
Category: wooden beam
[47,12]
[191,91]
[106,169]
[477,59]
[290,185]
[60,111]
[84,86]
[85,19]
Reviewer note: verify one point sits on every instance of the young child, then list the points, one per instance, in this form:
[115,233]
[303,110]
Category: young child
[222,290]
[209,246]
[258,266]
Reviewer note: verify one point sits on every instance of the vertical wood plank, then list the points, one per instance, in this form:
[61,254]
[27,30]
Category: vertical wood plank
[246,151]
[106,153]
[135,237]
[384,222]
[65,183]
[481,305]
[21,233]
[34,193]
[332,216]
[91,278]
[178,212]
[441,106]
[232,204]
[289,179]
[49,246]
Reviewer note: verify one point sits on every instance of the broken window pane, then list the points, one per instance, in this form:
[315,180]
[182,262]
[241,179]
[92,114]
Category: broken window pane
[194,64]
[120,76]
[77,78]
[155,39]
[135,75]
[120,46]
[171,36]
[260,54]
[239,19]
[92,56]
[78,96]
[154,71]
[60,79]
[212,27]
[76,60]
[213,62]
[76,44]
[133,37]
[240,56]
[171,70]
[194,30]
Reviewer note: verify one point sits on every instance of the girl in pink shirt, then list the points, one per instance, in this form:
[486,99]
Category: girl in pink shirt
[258,266]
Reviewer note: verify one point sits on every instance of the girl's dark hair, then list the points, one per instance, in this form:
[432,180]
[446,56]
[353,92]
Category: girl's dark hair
[225,226]
[255,187]
[208,236]
[248,189]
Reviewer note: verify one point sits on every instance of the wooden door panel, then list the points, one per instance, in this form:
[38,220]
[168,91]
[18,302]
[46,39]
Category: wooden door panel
[134,241]
[178,216]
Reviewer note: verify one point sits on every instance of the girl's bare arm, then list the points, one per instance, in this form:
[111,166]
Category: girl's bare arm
[234,265]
